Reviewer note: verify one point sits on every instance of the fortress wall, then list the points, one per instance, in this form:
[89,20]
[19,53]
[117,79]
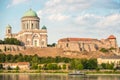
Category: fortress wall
[6,47]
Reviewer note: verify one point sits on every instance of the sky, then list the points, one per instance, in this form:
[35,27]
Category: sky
[65,18]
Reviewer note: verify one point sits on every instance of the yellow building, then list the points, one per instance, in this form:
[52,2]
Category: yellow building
[112,59]
[21,65]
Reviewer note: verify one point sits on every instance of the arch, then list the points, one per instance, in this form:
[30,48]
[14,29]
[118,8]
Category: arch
[35,35]
[36,40]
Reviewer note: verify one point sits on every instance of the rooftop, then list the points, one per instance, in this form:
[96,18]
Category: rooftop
[111,37]
[77,39]
[30,13]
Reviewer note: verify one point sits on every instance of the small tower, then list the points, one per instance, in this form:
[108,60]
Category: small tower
[44,37]
[8,31]
[44,27]
[113,41]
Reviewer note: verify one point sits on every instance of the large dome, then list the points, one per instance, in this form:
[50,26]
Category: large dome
[30,13]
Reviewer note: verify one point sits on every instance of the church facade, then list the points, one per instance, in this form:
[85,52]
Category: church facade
[31,35]
[88,44]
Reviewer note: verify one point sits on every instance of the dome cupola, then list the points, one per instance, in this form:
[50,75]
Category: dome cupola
[44,27]
[30,13]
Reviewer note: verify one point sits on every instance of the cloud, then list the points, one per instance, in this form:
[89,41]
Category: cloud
[87,19]
[58,17]
[52,2]
[76,18]
[57,10]
[110,4]
[109,21]
[15,2]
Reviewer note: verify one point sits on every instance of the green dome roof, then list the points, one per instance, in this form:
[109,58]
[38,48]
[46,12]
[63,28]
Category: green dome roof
[8,26]
[30,12]
[44,27]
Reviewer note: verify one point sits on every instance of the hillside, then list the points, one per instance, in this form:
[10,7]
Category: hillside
[52,51]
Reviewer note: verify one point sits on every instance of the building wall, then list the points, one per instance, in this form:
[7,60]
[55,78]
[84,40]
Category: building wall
[11,47]
[86,45]
[116,61]
[21,65]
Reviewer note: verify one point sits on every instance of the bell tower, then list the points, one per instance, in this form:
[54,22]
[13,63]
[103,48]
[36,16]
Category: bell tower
[8,31]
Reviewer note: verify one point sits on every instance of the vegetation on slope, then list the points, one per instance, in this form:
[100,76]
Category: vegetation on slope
[13,41]
[50,63]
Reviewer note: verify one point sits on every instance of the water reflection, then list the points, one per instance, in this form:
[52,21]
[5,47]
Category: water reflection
[55,77]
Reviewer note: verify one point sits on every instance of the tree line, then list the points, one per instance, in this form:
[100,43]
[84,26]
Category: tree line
[12,41]
[35,60]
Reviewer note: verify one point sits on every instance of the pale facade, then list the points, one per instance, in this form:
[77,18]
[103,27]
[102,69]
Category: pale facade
[21,65]
[30,35]
[87,44]
[113,59]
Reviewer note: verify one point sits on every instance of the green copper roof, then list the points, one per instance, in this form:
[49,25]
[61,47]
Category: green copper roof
[44,27]
[8,26]
[30,12]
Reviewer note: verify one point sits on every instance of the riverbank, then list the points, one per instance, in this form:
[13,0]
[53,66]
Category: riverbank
[88,72]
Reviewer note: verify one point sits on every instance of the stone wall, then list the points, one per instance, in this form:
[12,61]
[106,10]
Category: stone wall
[87,45]
[6,48]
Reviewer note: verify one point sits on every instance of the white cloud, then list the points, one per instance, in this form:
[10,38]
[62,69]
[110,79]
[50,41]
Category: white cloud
[40,13]
[15,2]
[109,21]
[52,2]
[57,9]
[79,19]
[87,19]
[58,17]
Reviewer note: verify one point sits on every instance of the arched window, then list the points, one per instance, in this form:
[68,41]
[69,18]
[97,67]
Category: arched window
[32,26]
[67,45]
[42,42]
[35,42]
[36,26]
[8,30]
[27,26]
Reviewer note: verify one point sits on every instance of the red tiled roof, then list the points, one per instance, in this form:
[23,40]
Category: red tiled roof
[76,39]
[111,37]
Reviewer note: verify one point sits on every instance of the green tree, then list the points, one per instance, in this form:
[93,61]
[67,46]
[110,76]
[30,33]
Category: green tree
[64,66]
[104,50]
[79,66]
[9,68]
[1,66]
[103,66]
[76,64]
[51,66]
[92,64]
[12,41]
[17,68]
[2,58]
[9,58]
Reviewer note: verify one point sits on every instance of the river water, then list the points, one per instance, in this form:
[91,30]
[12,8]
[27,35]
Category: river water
[25,76]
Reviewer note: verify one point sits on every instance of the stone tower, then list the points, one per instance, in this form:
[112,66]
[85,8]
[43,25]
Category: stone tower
[112,40]
[8,31]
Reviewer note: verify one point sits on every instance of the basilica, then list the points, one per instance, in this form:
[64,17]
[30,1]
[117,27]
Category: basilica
[31,35]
